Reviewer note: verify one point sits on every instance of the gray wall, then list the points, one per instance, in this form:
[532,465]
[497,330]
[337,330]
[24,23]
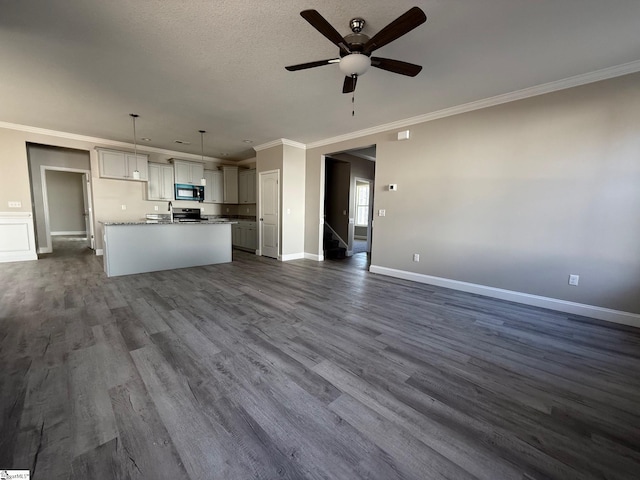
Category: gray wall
[50,156]
[516,196]
[66,201]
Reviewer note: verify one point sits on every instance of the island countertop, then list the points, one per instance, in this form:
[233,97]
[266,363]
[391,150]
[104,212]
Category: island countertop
[161,222]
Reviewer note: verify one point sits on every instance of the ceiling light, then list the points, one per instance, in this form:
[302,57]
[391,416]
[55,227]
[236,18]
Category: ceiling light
[247,141]
[182,142]
[145,139]
[355,64]
[224,154]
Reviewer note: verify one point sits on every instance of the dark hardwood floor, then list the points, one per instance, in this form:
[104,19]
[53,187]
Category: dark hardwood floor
[302,370]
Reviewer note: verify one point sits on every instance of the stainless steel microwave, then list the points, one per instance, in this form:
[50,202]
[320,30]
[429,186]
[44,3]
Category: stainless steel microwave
[185,191]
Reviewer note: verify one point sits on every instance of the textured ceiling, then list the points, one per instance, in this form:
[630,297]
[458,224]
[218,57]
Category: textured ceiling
[82,66]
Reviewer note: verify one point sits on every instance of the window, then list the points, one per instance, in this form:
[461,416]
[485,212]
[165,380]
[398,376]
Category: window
[362,204]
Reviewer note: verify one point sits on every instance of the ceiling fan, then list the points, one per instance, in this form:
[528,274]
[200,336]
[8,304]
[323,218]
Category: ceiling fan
[356,48]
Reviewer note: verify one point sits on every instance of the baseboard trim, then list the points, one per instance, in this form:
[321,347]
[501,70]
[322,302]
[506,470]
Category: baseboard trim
[99,252]
[81,232]
[600,313]
[18,257]
[292,256]
[312,256]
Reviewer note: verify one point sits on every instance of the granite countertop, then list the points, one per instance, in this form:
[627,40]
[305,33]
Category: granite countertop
[158,222]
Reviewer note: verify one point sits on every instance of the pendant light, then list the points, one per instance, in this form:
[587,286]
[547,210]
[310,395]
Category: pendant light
[136,172]
[203,181]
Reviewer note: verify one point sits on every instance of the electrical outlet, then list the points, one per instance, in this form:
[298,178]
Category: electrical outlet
[248,210]
[574,280]
[382,213]
[155,207]
[123,206]
[416,257]
[15,204]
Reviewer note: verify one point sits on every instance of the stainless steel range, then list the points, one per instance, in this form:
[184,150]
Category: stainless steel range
[187,215]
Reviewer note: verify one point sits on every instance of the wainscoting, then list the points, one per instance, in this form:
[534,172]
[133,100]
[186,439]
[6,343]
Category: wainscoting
[17,239]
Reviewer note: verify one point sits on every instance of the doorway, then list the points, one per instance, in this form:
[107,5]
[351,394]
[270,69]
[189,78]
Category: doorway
[349,180]
[60,180]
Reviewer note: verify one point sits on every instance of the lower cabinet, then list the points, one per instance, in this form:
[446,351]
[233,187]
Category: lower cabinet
[244,235]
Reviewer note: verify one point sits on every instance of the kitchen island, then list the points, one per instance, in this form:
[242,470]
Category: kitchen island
[138,247]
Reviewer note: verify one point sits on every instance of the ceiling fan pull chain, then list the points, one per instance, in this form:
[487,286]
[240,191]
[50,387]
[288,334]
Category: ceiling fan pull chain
[353,97]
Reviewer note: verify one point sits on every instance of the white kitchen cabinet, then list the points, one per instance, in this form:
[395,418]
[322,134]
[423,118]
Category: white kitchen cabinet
[190,173]
[244,235]
[247,186]
[121,165]
[160,185]
[230,175]
[214,189]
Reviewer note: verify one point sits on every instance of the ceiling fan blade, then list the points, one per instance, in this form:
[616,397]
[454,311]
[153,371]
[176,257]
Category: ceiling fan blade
[396,66]
[319,63]
[318,22]
[401,25]
[349,84]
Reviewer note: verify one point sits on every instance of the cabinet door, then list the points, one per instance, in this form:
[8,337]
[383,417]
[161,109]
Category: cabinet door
[235,235]
[197,173]
[112,164]
[217,194]
[251,186]
[154,187]
[208,188]
[160,185]
[139,163]
[243,185]
[166,191]
[230,184]
[183,172]
[251,239]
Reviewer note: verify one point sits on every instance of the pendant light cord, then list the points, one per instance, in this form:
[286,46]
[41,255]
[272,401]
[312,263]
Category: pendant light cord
[135,141]
[202,132]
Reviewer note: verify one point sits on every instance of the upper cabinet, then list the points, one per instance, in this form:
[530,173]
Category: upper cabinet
[214,189]
[247,186]
[230,175]
[160,185]
[188,172]
[122,165]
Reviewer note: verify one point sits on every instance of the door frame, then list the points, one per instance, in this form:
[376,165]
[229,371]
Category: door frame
[86,175]
[259,199]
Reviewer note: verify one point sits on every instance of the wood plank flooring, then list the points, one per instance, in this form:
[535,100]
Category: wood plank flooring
[302,370]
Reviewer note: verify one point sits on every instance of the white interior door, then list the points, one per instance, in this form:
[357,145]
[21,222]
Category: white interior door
[88,217]
[269,213]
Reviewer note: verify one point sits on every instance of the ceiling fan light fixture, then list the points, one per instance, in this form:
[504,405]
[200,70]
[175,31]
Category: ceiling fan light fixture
[355,64]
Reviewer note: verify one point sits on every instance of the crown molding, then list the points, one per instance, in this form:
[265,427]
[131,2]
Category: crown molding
[101,142]
[278,142]
[575,81]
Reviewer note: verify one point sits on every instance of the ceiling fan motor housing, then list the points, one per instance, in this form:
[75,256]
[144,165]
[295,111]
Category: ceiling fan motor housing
[355,41]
